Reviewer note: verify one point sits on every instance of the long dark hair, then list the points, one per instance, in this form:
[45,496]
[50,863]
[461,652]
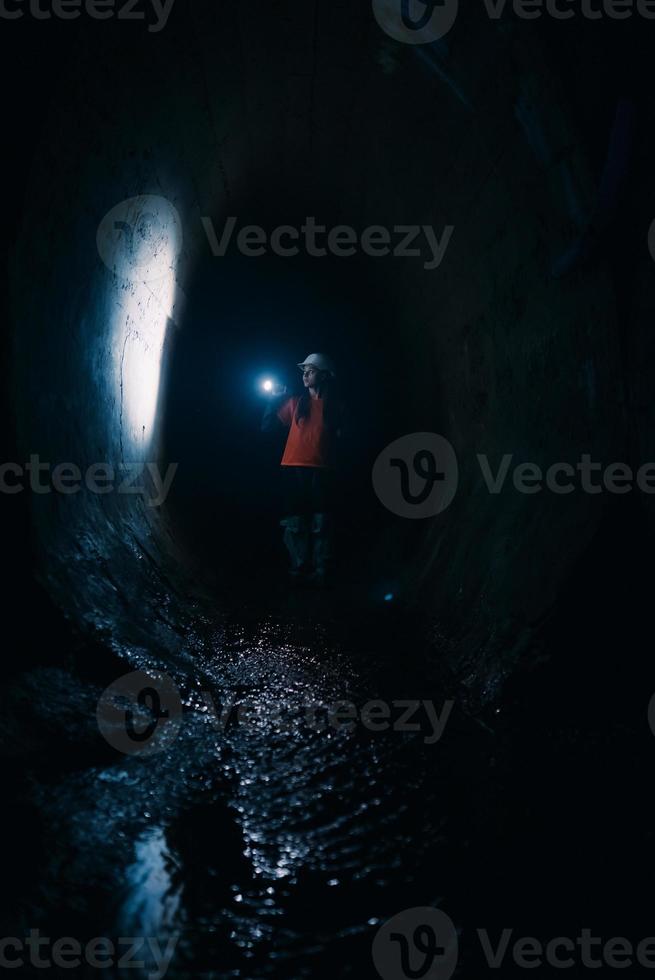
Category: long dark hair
[327,390]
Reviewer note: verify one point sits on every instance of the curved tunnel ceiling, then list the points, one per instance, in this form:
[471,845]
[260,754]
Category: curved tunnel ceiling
[317,112]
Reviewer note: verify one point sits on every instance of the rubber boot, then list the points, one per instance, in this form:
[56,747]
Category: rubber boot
[296,540]
[322,549]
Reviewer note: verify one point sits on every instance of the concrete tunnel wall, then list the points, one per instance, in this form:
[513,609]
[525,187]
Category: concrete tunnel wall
[315,103]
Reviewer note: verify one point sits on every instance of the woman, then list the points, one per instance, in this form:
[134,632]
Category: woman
[308,462]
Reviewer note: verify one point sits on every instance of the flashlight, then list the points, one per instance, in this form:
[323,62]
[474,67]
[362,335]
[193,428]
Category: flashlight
[271,387]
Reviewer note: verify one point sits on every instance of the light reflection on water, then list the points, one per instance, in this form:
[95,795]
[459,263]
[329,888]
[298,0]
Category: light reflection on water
[265,845]
[151,906]
[153,901]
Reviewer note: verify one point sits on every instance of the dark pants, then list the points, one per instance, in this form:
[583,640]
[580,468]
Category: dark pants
[308,522]
[308,490]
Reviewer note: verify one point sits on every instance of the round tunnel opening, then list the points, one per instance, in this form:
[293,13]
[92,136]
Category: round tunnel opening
[481,350]
[240,834]
[248,318]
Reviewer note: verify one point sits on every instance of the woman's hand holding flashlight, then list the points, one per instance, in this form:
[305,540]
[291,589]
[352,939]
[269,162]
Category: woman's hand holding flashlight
[273,388]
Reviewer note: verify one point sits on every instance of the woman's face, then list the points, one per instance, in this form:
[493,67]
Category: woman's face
[310,377]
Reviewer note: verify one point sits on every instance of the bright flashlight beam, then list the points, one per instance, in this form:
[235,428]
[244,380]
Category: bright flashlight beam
[267,385]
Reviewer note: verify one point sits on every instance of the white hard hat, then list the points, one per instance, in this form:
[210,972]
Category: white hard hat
[320,361]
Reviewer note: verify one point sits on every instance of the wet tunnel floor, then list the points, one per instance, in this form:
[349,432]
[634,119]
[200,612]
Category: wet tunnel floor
[268,846]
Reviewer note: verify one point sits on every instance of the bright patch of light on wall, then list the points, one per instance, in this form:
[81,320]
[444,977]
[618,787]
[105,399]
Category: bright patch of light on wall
[140,240]
[143,335]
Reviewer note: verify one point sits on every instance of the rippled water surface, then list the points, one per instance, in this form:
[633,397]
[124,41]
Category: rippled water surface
[264,841]
[265,837]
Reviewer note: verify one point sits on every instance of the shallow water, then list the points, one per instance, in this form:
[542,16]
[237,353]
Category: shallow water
[266,842]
